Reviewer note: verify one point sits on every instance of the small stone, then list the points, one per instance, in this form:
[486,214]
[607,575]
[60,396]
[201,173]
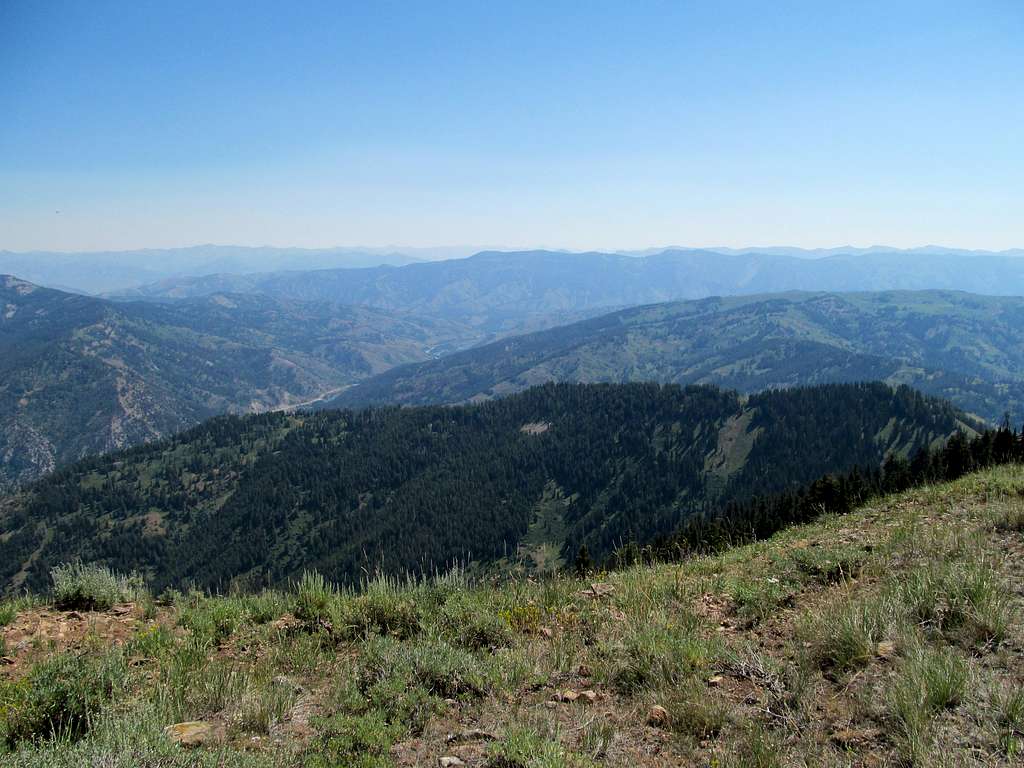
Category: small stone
[850,737]
[75,615]
[190,734]
[474,734]
[588,696]
[568,695]
[451,760]
[598,590]
[657,716]
[715,680]
[886,649]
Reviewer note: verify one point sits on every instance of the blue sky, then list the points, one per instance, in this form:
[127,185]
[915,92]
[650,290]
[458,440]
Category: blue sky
[577,125]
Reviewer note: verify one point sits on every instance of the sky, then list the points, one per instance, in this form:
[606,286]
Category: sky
[582,125]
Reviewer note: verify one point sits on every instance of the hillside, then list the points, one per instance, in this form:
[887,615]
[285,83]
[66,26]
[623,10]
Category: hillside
[888,636]
[505,291]
[963,347]
[80,375]
[530,479]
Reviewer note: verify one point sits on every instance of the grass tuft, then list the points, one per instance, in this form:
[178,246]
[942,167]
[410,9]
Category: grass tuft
[929,680]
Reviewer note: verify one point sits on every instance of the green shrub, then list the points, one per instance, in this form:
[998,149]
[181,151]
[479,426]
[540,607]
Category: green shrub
[381,610]
[313,601]
[929,680]
[212,619]
[1010,519]
[964,600]
[353,741]
[756,599]
[264,607]
[756,748]
[828,565]
[845,636]
[473,624]
[92,587]
[261,706]
[440,668]
[58,697]
[526,748]
[1009,706]
[192,684]
[149,642]
[653,657]
[695,712]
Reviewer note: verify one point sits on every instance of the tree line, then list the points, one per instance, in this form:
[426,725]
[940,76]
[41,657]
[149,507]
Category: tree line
[762,515]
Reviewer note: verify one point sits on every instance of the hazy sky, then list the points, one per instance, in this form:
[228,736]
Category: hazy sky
[578,125]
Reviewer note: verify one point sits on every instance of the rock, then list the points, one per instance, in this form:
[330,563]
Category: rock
[657,716]
[598,590]
[588,696]
[886,649]
[715,680]
[568,695]
[474,734]
[451,760]
[850,737]
[190,734]
[75,615]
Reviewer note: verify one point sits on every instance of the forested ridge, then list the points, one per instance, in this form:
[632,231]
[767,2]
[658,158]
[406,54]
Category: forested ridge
[259,499]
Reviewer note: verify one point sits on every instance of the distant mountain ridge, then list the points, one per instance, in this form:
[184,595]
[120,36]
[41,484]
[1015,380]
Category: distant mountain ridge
[850,250]
[496,291]
[103,271]
[964,347]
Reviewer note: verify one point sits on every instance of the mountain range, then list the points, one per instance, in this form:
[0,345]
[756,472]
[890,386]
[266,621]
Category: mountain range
[531,478]
[100,271]
[81,375]
[497,291]
[963,347]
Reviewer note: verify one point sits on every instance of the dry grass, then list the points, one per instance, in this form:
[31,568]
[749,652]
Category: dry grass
[890,636]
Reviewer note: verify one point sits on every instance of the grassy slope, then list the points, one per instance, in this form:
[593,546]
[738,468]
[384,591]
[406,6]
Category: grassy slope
[888,636]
